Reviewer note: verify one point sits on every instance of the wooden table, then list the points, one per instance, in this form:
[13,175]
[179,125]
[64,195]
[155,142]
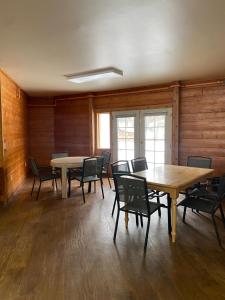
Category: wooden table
[173,179]
[64,163]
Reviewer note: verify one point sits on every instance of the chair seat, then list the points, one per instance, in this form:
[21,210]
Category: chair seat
[140,207]
[205,205]
[86,179]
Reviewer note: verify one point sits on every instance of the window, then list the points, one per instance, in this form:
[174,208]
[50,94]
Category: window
[103,133]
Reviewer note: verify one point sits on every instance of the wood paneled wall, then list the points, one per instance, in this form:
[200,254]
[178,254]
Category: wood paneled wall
[72,126]
[14,143]
[41,129]
[198,111]
[202,124]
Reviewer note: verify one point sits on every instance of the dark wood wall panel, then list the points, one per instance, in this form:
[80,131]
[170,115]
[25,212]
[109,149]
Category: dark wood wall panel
[14,133]
[72,126]
[41,131]
[202,124]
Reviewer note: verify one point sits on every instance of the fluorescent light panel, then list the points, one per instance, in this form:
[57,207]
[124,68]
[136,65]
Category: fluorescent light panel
[94,75]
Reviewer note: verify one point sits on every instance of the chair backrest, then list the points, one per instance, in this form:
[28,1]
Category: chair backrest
[132,190]
[139,164]
[221,188]
[120,166]
[100,161]
[59,154]
[89,167]
[199,162]
[33,166]
[106,158]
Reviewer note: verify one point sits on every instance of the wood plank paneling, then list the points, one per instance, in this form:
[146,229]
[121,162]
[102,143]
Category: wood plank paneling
[72,126]
[202,124]
[14,134]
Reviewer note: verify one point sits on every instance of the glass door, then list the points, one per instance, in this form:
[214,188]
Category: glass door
[156,128]
[125,127]
[143,133]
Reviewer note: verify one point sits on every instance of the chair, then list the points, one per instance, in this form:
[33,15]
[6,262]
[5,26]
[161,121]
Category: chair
[120,167]
[140,164]
[91,172]
[133,192]
[42,174]
[106,155]
[59,155]
[207,202]
[197,162]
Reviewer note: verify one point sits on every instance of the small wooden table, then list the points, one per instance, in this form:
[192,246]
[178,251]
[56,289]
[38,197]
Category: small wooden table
[173,179]
[64,163]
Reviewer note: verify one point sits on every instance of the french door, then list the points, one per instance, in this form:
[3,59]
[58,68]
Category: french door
[143,133]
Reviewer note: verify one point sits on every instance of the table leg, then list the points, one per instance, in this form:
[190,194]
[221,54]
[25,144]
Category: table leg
[64,183]
[174,219]
[126,220]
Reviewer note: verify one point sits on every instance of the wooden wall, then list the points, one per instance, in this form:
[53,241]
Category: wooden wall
[41,129]
[202,124]
[14,143]
[198,119]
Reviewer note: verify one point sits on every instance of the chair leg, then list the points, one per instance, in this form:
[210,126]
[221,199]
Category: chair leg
[184,213]
[158,201]
[33,187]
[146,236]
[116,225]
[114,204]
[169,213]
[89,186]
[137,223]
[222,214]
[39,188]
[82,186]
[102,188]
[109,181]
[56,186]
[216,230]
[141,219]
[69,187]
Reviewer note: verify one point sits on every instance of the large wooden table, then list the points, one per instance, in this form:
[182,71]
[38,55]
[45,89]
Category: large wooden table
[173,179]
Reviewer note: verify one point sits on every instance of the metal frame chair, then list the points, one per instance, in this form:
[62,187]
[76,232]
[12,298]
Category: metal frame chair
[207,202]
[106,162]
[132,191]
[91,172]
[42,174]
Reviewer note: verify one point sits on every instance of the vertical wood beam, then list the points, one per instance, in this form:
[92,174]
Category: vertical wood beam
[175,126]
[91,126]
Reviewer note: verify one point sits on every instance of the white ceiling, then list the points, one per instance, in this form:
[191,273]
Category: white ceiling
[152,41]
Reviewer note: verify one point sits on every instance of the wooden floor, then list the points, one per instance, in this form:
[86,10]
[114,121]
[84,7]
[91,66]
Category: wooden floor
[63,249]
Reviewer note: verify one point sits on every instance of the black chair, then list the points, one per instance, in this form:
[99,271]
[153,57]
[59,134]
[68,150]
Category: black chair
[91,172]
[106,162]
[41,174]
[133,192]
[197,162]
[207,202]
[140,164]
[120,167]
[60,154]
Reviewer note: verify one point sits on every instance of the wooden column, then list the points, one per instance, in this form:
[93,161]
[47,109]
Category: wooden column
[91,126]
[175,126]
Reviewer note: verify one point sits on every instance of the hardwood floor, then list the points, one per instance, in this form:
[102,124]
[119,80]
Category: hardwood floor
[63,249]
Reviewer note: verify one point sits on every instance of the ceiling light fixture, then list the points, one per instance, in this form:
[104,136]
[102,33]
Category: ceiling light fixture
[94,75]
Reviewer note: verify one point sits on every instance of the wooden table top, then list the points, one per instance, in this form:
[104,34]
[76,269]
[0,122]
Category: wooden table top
[172,176]
[68,162]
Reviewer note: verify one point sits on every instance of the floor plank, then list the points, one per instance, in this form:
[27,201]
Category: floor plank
[63,249]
